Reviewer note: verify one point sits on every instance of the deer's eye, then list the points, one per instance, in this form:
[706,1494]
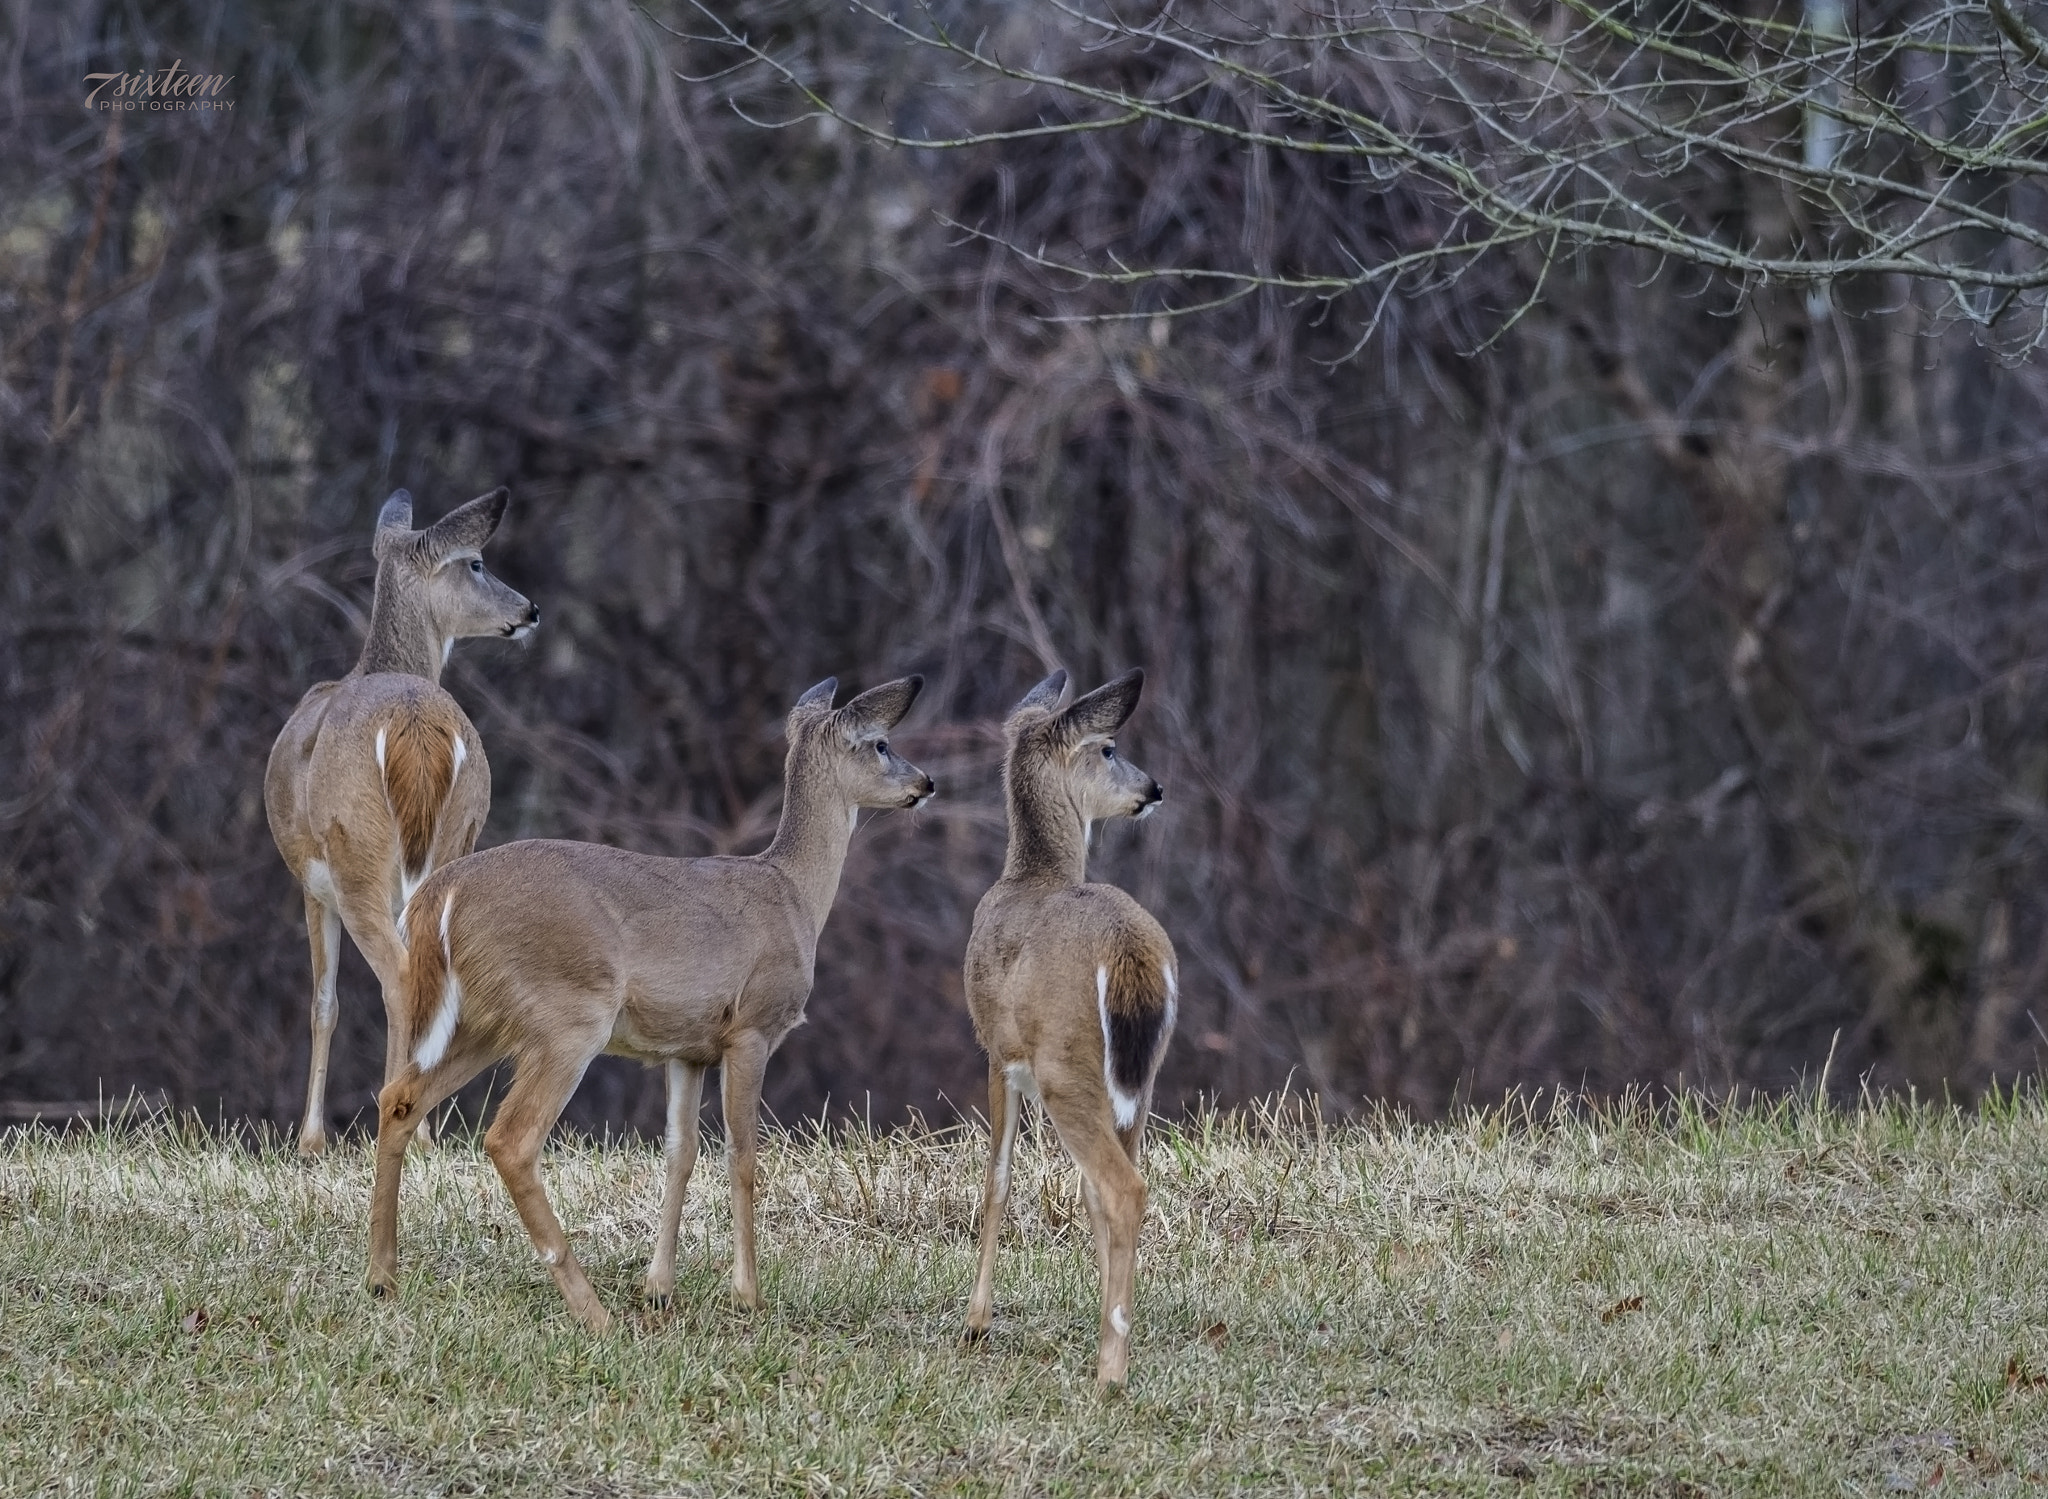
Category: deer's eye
[476,566]
[882,748]
[1109,752]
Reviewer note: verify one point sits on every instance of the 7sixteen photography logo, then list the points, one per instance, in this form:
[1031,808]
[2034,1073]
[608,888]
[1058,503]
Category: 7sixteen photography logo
[169,89]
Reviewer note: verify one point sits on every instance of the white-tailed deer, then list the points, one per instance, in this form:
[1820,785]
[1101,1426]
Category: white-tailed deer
[380,777]
[551,952]
[1072,986]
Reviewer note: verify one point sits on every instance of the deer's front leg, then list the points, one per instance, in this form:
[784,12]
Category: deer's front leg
[685,1095]
[746,1059]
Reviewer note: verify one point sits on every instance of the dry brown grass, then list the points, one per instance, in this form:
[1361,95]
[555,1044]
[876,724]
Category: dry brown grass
[1558,1301]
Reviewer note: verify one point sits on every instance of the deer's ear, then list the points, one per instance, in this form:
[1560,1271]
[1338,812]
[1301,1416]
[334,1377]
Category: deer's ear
[467,527]
[821,695]
[394,523]
[1103,711]
[879,709]
[1046,694]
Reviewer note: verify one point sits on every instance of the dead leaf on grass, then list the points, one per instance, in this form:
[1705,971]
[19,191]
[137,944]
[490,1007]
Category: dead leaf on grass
[195,1321]
[2019,1377]
[1218,1333]
[1622,1308]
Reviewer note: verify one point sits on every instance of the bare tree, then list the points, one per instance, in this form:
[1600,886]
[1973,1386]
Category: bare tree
[1906,139]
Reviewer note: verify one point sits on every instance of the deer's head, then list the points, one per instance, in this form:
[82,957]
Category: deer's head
[432,583]
[1070,755]
[846,750]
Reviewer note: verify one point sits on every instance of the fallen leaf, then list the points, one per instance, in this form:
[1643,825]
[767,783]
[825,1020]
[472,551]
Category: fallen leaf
[1622,1308]
[1218,1333]
[195,1321]
[2019,1377]
[1506,1340]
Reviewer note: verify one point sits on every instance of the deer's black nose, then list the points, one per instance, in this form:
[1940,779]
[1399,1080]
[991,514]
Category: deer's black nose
[533,614]
[1155,793]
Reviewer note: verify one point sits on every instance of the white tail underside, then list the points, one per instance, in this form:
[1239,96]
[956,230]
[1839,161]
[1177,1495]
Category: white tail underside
[435,1046]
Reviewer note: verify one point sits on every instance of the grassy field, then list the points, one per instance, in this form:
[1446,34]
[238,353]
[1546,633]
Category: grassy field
[1627,1300]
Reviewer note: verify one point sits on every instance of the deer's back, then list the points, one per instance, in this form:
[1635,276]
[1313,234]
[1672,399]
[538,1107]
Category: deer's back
[1033,959]
[324,780]
[687,950]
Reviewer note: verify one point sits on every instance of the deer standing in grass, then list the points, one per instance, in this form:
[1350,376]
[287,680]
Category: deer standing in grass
[551,952]
[1072,986]
[380,777]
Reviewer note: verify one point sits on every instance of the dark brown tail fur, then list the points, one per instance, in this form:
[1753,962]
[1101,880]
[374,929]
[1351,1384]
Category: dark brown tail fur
[1136,1002]
[419,772]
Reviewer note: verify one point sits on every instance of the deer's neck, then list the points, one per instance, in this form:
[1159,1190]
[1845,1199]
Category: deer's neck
[810,842]
[401,639]
[1048,842]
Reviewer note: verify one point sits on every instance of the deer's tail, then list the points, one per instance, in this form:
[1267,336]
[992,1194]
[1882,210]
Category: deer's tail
[420,751]
[1137,991]
[431,998]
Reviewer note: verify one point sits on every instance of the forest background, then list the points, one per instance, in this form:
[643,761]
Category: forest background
[1572,666]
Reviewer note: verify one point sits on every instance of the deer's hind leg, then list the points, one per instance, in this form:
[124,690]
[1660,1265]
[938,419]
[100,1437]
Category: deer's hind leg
[323,935]
[368,914]
[1005,1108]
[1116,1206]
[401,1109]
[1133,1137]
[540,1091]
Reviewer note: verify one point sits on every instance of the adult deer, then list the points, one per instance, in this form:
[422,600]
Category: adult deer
[1072,986]
[380,777]
[551,952]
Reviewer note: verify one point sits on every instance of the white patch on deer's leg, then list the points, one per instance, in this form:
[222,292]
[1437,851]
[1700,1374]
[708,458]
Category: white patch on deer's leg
[1120,1320]
[1020,1076]
[1088,833]
[673,1140]
[435,1046]
[1013,1108]
[852,819]
[1121,1104]
[1172,1000]
[550,1257]
[320,884]
[461,754]
[380,750]
[447,649]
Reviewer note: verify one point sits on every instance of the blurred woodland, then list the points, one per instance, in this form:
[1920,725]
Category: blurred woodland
[1579,668]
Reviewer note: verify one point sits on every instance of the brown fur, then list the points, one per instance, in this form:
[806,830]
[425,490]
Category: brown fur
[1044,939]
[356,836]
[426,966]
[1136,1001]
[563,950]
[419,771]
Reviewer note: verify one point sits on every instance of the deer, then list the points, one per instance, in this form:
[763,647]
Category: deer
[1072,986]
[379,778]
[551,952]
